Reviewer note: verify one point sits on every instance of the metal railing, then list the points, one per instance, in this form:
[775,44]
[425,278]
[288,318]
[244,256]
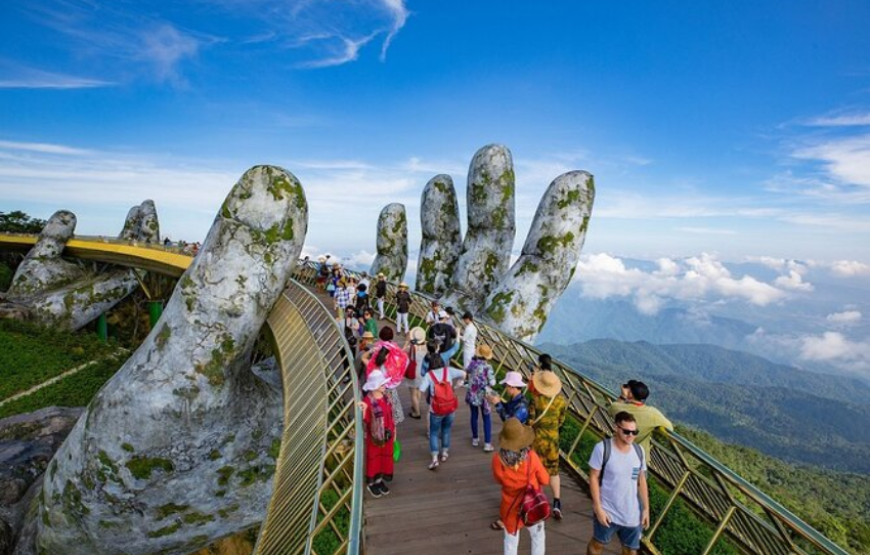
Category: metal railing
[750,519]
[316,506]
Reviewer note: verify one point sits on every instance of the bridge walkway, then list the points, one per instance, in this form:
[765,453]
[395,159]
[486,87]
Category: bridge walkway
[450,510]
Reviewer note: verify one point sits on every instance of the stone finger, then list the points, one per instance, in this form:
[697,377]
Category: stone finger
[442,238]
[520,304]
[488,242]
[184,431]
[43,268]
[392,243]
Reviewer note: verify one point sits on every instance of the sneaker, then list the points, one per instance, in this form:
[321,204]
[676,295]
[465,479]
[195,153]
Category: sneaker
[557,509]
[475,442]
[444,456]
[488,448]
[433,465]
[375,490]
[384,489]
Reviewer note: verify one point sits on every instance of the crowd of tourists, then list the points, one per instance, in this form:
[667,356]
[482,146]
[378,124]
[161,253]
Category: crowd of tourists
[526,457]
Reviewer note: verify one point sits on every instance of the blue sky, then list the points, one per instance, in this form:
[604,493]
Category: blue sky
[739,129]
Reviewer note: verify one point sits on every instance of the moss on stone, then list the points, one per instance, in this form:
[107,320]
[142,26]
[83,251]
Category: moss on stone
[169,509]
[214,455]
[142,467]
[127,447]
[165,531]
[498,308]
[549,244]
[197,519]
[528,267]
[224,475]
[275,448]
[71,499]
[163,336]
[226,512]
[250,455]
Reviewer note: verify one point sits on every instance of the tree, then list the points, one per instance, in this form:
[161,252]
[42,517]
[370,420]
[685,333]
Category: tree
[19,222]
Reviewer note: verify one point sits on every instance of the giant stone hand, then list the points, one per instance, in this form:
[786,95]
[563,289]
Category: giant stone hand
[476,276]
[67,295]
[177,449]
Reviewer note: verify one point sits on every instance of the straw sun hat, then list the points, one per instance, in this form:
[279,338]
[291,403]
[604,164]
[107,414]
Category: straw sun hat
[547,383]
[418,335]
[484,351]
[403,285]
[515,435]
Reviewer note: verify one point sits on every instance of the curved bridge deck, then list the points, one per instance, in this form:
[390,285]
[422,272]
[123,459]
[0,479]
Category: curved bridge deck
[449,510]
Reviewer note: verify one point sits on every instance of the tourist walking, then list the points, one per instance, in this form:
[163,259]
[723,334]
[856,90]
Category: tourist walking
[481,380]
[379,432]
[381,293]
[403,306]
[516,405]
[438,385]
[469,339]
[515,467]
[341,300]
[617,485]
[445,335]
[547,413]
[649,419]
[414,376]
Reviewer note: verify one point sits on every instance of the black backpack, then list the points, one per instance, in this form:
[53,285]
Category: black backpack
[607,447]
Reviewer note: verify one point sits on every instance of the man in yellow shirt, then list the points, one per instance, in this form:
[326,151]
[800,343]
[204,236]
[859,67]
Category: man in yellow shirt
[633,401]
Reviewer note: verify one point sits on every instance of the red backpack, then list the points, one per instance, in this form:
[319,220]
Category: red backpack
[443,399]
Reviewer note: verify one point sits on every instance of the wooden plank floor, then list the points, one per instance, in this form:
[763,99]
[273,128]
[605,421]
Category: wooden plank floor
[448,511]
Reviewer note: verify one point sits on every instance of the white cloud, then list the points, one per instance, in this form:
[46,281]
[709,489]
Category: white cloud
[701,278]
[45,148]
[850,268]
[707,231]
[793,282]
[400,16]
[846,160]
[847,317]
[165,47]
[837,348]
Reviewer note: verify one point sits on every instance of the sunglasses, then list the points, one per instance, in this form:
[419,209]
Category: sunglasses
[628,432]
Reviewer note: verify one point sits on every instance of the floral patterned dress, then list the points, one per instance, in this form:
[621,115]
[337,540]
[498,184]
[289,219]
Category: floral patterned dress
[546,422]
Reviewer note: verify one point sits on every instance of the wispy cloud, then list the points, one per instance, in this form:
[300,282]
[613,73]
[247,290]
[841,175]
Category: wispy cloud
[846,160]
[400,16]
[44,148]
[18,77]
[707,231]
[843,120]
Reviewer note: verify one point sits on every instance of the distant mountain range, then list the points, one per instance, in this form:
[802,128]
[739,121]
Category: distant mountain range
[785,412]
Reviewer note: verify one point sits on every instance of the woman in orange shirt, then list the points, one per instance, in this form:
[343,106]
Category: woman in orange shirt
[514,467]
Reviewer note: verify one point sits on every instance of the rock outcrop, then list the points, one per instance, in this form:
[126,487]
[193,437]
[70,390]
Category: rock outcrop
[442,238]
[392,243]
[179,448]
[142,224]
[27,444]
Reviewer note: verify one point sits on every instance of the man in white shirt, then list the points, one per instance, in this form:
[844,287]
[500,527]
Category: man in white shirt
[617,484]
[469,339]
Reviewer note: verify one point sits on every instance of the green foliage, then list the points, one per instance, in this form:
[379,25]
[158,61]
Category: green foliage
[327,542]
[32,355]
[19,222]
[6,274]
[73,391]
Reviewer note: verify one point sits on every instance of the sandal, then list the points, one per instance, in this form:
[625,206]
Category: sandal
[496,525]
[414,416]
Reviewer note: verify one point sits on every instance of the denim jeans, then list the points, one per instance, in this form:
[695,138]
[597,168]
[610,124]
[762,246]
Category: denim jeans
[487,424]
[448,354]
[439,428]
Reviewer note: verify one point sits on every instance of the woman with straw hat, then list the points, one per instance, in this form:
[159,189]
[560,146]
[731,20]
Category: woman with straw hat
[546,415]
[514,467]
[416,348]
[380,432]
[481,379]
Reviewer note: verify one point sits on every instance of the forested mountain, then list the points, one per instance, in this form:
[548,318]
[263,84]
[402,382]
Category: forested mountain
[785,412]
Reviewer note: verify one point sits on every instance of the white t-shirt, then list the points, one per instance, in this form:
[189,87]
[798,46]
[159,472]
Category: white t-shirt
[431,316]
[619,497]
